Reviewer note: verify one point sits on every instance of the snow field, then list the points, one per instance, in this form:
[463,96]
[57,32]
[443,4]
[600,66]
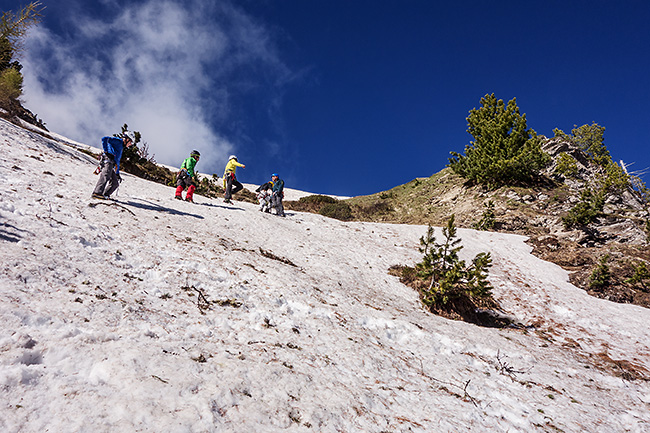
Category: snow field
[106,326]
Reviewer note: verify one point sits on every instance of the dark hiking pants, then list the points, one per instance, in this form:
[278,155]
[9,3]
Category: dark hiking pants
[276,202]
[108,180]
[231,181]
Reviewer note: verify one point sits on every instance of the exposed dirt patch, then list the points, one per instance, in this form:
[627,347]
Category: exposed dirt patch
[581,262]
[620,367]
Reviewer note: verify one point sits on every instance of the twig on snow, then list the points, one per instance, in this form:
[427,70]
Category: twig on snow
[111,204]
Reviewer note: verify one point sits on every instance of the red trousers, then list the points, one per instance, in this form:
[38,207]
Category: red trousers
[190,191]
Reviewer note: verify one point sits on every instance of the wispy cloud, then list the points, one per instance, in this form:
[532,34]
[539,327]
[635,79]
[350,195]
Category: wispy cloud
[173,70]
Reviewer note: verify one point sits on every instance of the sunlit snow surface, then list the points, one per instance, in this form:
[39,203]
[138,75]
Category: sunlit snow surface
[105,325]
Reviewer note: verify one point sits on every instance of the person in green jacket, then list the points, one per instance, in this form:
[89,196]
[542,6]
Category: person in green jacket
[230,180]
[186,177]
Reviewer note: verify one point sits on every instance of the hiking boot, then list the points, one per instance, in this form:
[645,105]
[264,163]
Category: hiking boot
[99,196]
[190,200]
[178,197]
[227,200]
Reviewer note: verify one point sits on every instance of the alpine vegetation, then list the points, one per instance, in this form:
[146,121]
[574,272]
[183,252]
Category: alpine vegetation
[608,177]
[504,151]
[450,278]
[488,218]
[447,285]
[13,29]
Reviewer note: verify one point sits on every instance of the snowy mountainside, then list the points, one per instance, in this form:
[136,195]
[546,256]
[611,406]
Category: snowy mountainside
[151,314]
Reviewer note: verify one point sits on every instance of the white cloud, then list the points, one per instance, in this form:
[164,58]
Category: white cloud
[170,69]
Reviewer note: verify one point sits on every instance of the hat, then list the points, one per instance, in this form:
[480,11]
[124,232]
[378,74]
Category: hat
[129,135]
[275,175]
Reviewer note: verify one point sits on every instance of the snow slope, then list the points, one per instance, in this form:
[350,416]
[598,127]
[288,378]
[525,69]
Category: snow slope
[153,315]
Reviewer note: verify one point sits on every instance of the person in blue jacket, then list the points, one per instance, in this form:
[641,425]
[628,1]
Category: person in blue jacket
[277,194]
[109,175]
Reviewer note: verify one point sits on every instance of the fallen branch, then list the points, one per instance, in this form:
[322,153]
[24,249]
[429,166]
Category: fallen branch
[443,385]
[111,204]
[505,368]
[270,255]
[201,299]
[160,379]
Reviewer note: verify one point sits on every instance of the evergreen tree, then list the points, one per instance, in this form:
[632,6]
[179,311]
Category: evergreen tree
[488,219]
[590,139]
[13,29]
[610,178]
[600,277]
[504,151]
[450,277]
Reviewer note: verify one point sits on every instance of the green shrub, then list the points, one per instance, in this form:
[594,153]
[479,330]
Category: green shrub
[315,204]
[589,139]
[566,165]
[611,178]
[130,155]
[615,179]
[504,150]
[316,198]
[11,86]
[586,211]
[488,219]
[6,53]
[13,30]
[600,276]
[338,210]
[450,277]
[641,276]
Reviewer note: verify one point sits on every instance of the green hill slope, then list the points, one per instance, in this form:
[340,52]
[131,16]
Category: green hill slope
[616,241]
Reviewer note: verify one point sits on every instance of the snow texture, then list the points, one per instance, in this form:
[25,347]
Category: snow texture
[155,315]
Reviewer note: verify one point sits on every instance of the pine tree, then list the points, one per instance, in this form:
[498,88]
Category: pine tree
[449,276]
[601,275]
[504,151]
[13,29]
[589,139]
[610,178]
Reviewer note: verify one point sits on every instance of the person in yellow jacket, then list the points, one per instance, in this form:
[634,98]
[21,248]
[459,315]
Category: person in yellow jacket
[230,180]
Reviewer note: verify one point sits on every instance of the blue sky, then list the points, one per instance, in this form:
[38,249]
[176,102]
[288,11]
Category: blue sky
[339,96]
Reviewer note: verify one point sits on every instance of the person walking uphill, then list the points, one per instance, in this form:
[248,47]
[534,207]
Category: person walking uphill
[186,177]
[277,194]
[230,180]
[109,175]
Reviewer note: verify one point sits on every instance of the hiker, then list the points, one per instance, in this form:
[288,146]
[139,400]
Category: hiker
[230,180]
[187,177]
[277,194]
[109,165]
[264,196]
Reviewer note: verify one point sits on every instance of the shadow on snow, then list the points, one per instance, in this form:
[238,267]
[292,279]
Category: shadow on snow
[147,205]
